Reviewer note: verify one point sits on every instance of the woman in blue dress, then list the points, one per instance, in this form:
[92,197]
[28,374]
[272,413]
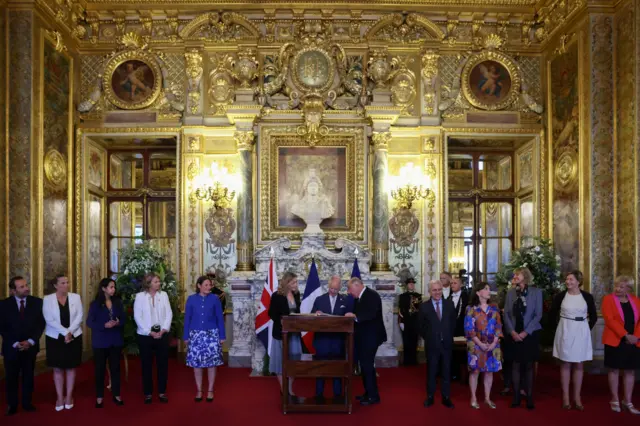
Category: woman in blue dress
[204,334]
[483,329]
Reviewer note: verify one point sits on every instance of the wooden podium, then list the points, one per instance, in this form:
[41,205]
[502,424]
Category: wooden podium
[317,368]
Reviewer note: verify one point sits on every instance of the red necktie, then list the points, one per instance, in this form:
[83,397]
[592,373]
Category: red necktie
[438,310]
[22,309]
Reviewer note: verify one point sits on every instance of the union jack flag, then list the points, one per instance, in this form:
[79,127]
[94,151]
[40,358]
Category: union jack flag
[264,324]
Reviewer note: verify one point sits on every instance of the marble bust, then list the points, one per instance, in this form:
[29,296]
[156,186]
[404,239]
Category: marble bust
[313,206]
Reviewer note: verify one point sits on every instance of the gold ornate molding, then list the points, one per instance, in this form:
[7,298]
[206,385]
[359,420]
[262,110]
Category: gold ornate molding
[380,141]
[429,74]
[194,74]
[56,36]
[244,140]
[410,28]
[219,27]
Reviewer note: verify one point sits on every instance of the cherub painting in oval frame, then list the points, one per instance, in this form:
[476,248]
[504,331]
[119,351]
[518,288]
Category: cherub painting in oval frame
[132,80]
[491,81]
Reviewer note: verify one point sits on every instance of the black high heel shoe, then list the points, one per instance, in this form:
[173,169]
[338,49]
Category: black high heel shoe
[99,404]
[210,399]
[198,399]
[118,402]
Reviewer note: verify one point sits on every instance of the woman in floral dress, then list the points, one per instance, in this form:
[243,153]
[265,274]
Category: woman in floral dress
[204,334]
[483,329]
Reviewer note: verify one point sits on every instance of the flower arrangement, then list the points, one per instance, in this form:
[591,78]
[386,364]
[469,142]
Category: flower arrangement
[541,259]
[138,260]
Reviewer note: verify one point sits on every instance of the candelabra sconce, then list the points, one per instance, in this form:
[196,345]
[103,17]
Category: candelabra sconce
[210,187]
[406,193]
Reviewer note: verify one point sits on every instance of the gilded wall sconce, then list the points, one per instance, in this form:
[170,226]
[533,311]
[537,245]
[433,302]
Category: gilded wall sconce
[406,188]
[214,185]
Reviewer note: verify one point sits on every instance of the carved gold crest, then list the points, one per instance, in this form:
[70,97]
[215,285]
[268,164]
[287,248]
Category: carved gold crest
[220,226]
[55,169]
[132,79]
[490,80]
[566,171]
[313,69]
[404,225]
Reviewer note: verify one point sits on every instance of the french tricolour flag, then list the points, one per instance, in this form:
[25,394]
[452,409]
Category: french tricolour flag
[264,324]
[311,291]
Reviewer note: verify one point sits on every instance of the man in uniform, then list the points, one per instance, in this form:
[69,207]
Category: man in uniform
[409,305]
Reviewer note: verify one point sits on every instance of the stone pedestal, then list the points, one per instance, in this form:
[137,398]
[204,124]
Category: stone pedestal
[381,97]
[244,96]
[240,285]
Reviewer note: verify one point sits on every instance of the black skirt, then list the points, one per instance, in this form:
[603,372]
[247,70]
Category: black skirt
[623,357]
[64,355]
[526,351]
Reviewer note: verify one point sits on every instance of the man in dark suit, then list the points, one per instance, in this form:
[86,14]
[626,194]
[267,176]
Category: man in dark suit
[408,306]
[437,319]
[460,300]
[330,345]
[369,334]
[21,325]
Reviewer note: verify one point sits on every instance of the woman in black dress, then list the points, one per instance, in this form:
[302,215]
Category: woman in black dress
[63,312]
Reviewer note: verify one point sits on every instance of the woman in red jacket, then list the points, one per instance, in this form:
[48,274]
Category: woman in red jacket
[621,312]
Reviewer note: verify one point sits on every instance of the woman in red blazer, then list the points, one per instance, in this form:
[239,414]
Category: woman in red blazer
[621,338]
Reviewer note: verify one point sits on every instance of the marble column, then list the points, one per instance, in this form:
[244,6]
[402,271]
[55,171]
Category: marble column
[4,286]
[380,143]
[244,212]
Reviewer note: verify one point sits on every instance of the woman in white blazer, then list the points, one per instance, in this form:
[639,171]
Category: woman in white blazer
[153,315]
[63,313]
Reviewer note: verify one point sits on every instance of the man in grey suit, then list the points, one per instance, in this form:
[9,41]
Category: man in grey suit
[437,322]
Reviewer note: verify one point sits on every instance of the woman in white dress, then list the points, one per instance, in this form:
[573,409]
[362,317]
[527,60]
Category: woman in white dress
[575,313]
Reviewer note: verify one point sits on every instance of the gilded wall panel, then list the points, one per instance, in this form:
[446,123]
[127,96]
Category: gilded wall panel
[637,151]
[92,68]
[625,147]
[56,104]
[95,243]
[219,227]
[601,145]
[565,125]
[405,228]
[3,157]
[20,149]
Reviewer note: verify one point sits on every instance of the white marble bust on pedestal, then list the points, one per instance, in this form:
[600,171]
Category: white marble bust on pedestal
[314,206]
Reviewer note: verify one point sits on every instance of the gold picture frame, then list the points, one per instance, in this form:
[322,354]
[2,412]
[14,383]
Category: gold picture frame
[132,79]
[353,141]
[491,80]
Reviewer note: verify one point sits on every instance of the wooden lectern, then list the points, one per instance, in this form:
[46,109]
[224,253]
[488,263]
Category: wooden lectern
[317,368]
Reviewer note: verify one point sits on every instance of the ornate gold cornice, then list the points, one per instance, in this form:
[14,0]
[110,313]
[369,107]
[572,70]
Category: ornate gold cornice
[94,4]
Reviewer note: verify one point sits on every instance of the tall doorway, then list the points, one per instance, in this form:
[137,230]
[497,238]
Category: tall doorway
[485,201]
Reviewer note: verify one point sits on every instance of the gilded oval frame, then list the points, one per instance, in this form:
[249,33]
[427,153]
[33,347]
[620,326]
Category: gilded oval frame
[298,80]
[112,67]
[509,66]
